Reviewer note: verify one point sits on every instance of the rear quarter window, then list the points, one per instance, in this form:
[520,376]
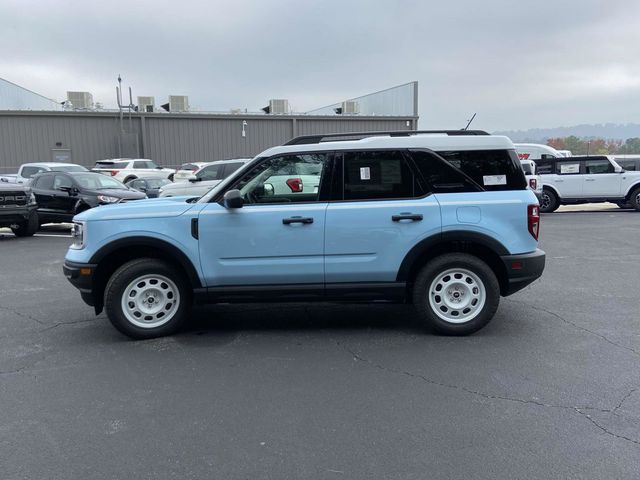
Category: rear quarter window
[493,170]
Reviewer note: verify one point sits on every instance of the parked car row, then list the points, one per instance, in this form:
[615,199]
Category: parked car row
[582,179]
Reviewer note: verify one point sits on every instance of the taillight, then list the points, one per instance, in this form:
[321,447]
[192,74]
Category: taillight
[295,184]
[113,173]
[533,183]
[533,220]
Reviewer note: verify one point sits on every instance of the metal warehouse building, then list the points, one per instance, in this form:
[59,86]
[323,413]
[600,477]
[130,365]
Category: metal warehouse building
[174,138]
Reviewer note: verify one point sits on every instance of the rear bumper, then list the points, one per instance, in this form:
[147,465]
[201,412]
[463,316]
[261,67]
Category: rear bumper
[522,270]
[81,276]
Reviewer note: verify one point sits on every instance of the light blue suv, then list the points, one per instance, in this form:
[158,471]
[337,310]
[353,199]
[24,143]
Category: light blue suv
[443,220]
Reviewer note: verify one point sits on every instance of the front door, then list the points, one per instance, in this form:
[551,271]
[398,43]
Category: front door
[274,239]
[601,180]
[382,211]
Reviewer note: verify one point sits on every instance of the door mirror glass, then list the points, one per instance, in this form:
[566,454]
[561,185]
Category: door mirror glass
[193,178]
[268,189]
[233,199]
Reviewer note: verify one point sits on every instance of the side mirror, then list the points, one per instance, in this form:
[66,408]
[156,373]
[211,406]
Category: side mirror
[143,189]
[268,189]
[193,178]
[69,190]
[233,199]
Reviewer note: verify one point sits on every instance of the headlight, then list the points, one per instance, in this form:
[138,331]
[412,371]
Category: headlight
[77,233]
[107,199]
[32,199]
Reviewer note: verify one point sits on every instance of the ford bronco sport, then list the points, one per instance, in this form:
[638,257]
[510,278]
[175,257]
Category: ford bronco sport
[443,220]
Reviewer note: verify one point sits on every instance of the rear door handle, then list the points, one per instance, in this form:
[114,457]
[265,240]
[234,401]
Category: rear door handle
[290,220]
[415,217]
[590,179]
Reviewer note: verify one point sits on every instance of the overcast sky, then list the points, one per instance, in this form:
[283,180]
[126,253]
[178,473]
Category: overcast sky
[517,64]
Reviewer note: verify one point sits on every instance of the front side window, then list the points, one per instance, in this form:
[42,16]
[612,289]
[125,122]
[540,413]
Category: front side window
[286,179]
[379,175]
[627,164]
[211,172]
[62,181]
[546,167]
[599,166]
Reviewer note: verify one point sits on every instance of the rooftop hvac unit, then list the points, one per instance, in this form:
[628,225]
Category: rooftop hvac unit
[178,103]
[146,104]
[277,106]
[349,107]
[80,100]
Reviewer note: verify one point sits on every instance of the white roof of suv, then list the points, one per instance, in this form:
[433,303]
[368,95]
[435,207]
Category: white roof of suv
[435,141]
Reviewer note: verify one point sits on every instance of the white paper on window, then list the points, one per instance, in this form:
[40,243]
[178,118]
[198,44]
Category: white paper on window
[494,180]
[365,173]
[570,168]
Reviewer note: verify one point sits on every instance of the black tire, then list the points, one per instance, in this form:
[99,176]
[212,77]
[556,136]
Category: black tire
[461,262]
[28,228]
[549,201]
[634,199]
[119,284]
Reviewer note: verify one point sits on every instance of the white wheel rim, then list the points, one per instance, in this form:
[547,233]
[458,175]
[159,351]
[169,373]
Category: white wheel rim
[457,295]
[150,301]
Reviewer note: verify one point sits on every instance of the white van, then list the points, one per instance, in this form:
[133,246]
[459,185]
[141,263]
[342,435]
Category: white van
[535,151]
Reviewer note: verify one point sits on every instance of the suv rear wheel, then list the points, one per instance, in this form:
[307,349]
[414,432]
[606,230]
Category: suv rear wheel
[147,298]
[456,294]
[549,201]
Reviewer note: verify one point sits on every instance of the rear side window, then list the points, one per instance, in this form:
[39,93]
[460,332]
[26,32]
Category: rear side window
[568,168]
[144,164]
[44,182]
[491,169]
[113,165]
[379,175]
[28,172]
[440,176]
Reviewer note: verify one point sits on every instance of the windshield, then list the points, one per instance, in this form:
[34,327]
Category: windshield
[68,168]
[96,181]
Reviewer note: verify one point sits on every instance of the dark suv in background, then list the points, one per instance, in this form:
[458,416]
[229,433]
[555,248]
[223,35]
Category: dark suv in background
[62,195]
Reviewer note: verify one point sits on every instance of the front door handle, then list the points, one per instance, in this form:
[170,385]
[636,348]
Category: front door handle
[415,217]
[290,220]
[590,179]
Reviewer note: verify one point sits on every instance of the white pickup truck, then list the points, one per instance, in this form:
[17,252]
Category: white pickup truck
[28,170]
[594,179]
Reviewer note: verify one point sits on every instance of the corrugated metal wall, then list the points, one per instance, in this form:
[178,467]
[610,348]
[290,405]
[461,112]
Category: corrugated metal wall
[170,139]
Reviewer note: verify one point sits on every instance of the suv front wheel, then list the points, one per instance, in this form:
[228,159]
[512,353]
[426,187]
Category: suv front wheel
[456,294]
[147,298]
[549,201]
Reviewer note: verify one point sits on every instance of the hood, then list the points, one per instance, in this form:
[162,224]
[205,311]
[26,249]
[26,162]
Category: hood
[150,208]
[14,187]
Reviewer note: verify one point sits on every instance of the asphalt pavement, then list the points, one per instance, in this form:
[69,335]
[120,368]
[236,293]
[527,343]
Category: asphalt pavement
[549,389]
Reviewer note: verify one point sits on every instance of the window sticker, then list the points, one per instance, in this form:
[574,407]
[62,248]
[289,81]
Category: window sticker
[570,168]
[494,180]
[365,173]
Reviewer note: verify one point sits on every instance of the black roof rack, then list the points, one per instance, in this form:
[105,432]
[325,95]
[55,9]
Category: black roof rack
[304,139]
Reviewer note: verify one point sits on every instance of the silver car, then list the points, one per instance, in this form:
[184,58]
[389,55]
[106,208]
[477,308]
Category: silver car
[204,179]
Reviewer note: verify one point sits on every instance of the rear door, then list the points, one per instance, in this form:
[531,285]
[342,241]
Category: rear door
[380,211]
[569,178]
[601,180]
[273,239]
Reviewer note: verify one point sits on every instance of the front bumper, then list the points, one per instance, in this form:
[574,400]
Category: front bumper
[14,215]
[522,270]
[81,276]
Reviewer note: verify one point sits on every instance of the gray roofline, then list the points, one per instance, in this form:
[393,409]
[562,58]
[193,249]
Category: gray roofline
[223,116]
